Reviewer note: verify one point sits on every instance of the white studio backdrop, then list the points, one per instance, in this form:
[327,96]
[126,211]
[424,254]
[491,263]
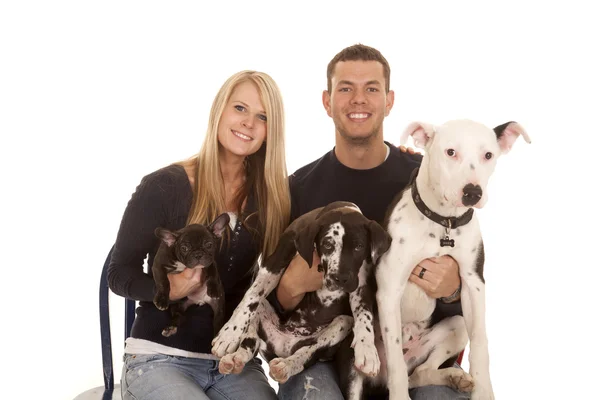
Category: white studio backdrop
[95,95]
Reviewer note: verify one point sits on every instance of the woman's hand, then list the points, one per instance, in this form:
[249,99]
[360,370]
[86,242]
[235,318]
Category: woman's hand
[184,283]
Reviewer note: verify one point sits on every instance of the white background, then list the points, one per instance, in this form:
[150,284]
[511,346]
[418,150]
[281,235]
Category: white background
[94,95]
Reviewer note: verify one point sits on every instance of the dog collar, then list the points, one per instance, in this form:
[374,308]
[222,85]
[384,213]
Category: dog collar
[446,222]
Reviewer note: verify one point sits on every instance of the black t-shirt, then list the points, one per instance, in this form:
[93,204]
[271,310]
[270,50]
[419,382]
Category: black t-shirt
[372,190]
[163,198]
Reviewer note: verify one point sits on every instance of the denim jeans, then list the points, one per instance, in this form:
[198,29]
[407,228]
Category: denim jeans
[162,377]
[321,382]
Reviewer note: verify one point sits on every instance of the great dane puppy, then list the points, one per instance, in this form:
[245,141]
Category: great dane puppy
[348,245]
[434,216]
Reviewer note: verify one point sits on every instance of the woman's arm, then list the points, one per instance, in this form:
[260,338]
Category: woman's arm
[135,239]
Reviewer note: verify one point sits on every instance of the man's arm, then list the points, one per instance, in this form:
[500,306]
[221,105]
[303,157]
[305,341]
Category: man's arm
[297,280]
[439,278]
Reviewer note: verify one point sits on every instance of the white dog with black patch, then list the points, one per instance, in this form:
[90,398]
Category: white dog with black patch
[432,217]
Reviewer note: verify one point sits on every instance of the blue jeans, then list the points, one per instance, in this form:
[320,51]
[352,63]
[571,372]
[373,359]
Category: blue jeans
[162,377]
[321,382]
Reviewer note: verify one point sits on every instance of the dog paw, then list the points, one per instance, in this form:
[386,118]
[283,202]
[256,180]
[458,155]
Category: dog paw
[226,364]
[169,330]
[227,341]
[161,302]
[366,358]
[279,370]
[231,363]
[461,381]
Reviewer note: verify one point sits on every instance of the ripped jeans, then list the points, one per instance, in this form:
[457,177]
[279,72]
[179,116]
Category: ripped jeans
[321,382]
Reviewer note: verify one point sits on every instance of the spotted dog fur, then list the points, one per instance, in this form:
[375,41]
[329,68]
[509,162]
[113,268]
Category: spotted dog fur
[458,154]
[348,245]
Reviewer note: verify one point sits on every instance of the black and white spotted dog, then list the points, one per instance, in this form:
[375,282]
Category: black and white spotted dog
[348,245]
[434,216]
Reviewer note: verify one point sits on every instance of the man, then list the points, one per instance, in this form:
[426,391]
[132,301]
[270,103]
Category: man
[369,172]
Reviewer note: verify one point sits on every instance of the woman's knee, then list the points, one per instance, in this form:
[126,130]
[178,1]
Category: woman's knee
[155,377]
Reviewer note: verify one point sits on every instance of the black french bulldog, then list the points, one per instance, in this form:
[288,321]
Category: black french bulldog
[191,247]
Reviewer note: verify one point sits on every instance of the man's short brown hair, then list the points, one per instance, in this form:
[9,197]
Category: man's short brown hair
[359,52]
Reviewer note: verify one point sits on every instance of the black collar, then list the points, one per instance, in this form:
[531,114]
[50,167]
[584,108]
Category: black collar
[448,222]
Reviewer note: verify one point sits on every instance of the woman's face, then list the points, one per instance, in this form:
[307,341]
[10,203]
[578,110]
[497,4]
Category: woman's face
[243,126]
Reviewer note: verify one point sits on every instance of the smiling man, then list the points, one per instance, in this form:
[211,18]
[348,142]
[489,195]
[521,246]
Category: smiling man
[358,99]
[369,172]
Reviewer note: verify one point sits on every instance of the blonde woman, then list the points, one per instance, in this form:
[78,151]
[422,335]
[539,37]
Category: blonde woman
[240,169]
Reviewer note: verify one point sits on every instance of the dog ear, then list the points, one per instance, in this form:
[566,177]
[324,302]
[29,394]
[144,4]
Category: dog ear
[507,134]
[421,133]
[218,225]
[305,242]
[166,236]
[380,241]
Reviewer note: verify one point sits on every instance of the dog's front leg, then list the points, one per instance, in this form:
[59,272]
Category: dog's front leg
[366,358]
[233,363]
[266,280]
[163,287]
[473,306]
[392,276]
[229,336]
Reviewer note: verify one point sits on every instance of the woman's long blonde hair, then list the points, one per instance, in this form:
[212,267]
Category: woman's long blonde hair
[266,172]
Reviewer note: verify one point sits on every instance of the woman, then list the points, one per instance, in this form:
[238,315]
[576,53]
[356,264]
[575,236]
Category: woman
[240,169]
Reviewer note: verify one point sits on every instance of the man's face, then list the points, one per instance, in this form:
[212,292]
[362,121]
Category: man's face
[358,102]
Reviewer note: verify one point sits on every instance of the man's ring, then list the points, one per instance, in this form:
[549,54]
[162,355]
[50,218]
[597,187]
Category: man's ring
[422,272]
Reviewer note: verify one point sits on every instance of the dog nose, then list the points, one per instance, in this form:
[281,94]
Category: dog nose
[341,279]
[471,194]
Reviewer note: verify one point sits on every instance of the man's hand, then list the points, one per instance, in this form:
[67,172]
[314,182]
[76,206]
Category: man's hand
[408,150]
[297,280]
[184,283]
[440,278]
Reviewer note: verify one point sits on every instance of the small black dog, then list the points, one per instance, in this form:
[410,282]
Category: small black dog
[191,247]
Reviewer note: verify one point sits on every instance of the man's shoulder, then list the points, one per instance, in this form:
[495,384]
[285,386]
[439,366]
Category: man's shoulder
[404,159]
